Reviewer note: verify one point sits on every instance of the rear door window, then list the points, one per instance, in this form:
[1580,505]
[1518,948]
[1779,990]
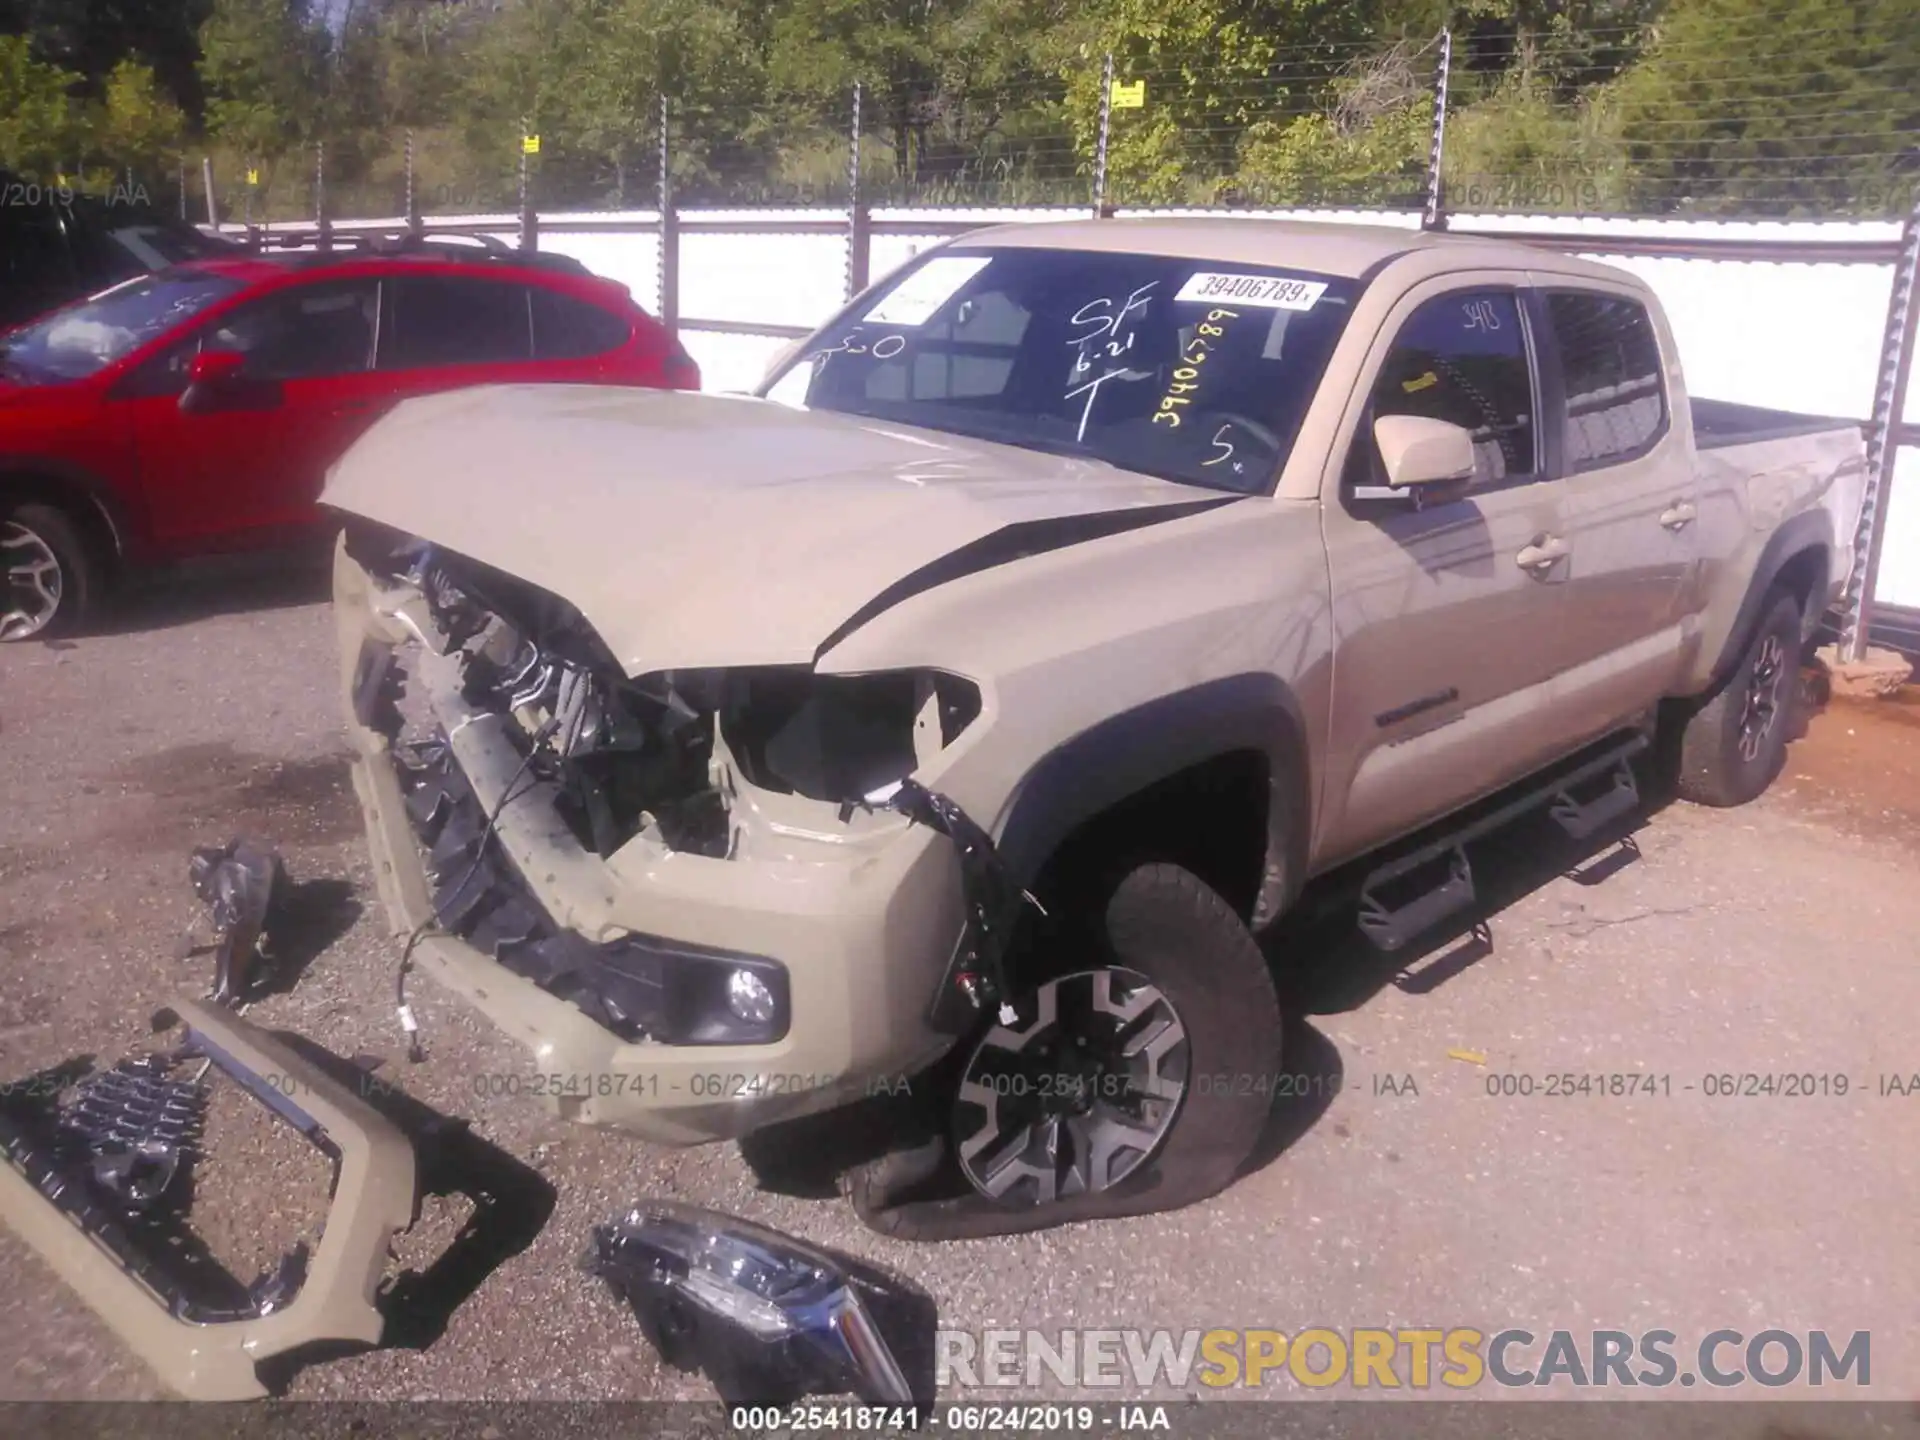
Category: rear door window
[566,328]
[1616,405]
[435,320]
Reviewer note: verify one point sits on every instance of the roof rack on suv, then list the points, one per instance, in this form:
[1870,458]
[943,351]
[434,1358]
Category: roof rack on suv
[402,244]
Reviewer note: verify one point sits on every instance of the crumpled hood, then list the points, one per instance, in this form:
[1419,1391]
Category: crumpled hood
[703,530]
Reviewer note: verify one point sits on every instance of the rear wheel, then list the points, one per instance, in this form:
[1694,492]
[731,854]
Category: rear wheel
[1735,745]
[48,575]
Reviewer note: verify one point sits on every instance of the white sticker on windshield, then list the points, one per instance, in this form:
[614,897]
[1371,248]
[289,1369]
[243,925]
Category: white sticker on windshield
[914,300]
[1269,292]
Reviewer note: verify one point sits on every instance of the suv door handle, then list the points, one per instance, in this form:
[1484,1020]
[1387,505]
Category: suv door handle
[1679,515]
[1542,555]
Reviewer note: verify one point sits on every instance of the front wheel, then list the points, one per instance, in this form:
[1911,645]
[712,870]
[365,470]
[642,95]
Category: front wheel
[1130,1076]
[1734,746]
[48,577]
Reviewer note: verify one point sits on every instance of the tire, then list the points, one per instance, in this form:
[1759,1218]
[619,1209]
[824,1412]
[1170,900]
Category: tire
[1180,977]
[33,538]
[1735,745]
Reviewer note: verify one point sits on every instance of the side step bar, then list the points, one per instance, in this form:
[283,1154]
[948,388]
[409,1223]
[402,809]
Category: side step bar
[1427,900]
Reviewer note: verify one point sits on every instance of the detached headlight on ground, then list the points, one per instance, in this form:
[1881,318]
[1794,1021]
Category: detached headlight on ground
[767,1318]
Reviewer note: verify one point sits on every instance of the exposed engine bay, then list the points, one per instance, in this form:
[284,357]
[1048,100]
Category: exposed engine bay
[776,764]
[661,756]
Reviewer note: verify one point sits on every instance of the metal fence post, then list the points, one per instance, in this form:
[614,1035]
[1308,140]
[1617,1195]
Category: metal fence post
[413,195]
[1889,416]
[669,232]
[529,222]
[1432,216]
[1100,140]
[320,196]
[859,229]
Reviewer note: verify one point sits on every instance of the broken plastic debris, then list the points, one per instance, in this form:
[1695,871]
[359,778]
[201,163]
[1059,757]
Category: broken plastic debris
[883,795]
[238,883]
[1472,1057]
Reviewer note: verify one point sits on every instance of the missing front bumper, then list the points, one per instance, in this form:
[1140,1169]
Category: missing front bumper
[53,1199]
[864,923]
[638,987]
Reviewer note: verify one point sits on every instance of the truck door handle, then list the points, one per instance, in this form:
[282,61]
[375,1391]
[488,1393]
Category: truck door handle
[1679,515]
[1542,554]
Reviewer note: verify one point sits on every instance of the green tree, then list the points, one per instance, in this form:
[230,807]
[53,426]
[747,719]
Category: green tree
[264,68]
[1804,105]
[135,125]
[1215,71]
[957,92]
[701,58]
[40,132]
[92,37]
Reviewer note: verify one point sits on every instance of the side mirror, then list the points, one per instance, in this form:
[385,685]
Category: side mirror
[214,368]
[1424,456]
[217,380]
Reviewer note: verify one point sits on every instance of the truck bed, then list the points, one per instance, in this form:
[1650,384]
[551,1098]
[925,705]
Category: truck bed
[1719,423]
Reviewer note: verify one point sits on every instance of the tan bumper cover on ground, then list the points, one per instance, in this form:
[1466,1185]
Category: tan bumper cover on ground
[373,1198]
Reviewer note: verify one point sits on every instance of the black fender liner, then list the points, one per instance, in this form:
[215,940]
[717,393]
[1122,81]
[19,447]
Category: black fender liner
[1124,754]
[1810,530]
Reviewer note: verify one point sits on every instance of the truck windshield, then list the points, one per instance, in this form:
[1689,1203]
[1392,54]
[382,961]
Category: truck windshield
[1197,371]
[84,338]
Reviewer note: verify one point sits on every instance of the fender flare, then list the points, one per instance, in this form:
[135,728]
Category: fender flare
[1125,754]
[1798,534]
[65,479]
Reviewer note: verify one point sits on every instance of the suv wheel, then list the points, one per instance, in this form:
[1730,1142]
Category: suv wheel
[47,575]
[1134,1076]
[1734,746]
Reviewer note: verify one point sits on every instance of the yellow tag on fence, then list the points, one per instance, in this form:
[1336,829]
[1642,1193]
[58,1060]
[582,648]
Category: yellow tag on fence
[1129,96]
[530,145]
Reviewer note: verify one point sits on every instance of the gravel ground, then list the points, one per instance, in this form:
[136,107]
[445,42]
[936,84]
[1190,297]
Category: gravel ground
[1781,937]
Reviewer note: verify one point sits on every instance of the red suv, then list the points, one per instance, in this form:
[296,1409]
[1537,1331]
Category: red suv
[195,410]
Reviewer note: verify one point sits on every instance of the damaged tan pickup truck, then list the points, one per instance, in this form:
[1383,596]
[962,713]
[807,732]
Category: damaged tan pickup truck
[949,718]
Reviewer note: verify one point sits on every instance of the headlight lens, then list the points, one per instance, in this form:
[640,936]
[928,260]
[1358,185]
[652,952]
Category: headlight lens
[749,998]
[769,1319]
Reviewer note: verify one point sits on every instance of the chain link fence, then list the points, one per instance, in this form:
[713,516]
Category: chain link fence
[1634,121]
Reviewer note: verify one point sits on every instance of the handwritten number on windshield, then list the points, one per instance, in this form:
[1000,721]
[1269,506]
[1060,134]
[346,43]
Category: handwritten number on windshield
[1223,445]
[1186,375]
[1480,315]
